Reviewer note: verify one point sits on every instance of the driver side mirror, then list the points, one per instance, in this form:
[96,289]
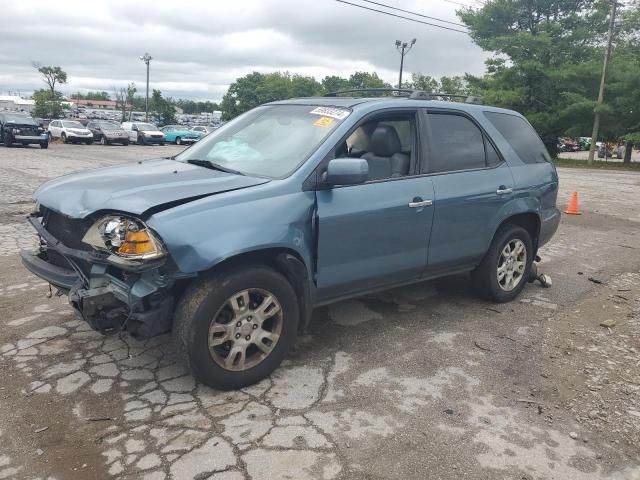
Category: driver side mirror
[346,171]
[134,128]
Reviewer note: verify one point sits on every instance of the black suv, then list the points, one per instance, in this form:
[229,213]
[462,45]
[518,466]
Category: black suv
[20,128]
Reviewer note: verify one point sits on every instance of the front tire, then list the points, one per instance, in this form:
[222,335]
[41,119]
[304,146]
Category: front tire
[235,327]
[63,137]
[103,140]
[44,145]
[141,140]
[178,141]
[7,140]
[504,271]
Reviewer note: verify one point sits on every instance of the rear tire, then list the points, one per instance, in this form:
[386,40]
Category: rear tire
[207,301]
[126,144]
[103,140]
[88,142]
[140,140]
[7,140]
[63,137]
[486,276]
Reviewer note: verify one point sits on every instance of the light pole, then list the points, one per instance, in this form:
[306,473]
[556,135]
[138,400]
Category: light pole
[146,58]
[403,48]
[605,64]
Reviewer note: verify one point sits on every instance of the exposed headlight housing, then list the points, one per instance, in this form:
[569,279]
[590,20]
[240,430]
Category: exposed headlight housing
[124,237]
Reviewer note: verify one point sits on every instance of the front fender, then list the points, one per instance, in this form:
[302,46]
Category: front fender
[203,233]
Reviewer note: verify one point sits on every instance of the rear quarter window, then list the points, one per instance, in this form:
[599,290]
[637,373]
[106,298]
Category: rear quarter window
[521,136]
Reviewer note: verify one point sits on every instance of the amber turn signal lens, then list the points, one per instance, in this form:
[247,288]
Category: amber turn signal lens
[137,243]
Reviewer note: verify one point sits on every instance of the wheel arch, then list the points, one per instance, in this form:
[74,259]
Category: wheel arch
[285,261]
[530,221]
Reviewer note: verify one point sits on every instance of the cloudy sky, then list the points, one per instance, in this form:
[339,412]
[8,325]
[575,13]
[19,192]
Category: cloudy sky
[201,46]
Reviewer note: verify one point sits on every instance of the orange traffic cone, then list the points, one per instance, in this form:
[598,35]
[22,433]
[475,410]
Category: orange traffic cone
[572,208]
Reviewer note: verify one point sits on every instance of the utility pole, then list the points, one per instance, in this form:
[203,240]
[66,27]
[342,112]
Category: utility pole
[605,64]
[146,58]
[403,48]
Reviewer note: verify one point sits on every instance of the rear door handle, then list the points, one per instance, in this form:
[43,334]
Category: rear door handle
[502,190]
[420,203]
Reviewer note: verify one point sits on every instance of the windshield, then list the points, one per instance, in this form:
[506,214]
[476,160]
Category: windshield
[108,126]
[72,125]
[171,128]
[146,126]
[22,119]
[270,141]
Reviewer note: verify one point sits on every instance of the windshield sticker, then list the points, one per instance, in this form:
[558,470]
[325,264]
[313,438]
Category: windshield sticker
[337,113]
[323,122]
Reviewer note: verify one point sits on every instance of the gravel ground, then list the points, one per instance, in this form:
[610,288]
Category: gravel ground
[424,381]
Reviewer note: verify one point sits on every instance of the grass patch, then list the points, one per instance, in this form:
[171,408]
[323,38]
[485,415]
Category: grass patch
[597,164]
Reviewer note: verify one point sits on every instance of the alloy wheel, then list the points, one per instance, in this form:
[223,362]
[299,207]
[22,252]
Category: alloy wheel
[512,264]
[245,330]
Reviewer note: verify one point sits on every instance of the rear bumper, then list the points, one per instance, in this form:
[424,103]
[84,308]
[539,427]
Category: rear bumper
[549,221]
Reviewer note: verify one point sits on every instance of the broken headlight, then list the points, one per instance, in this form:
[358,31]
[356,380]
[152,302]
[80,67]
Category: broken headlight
[125,237]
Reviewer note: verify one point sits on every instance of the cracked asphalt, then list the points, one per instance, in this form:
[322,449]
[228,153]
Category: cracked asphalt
[424,381]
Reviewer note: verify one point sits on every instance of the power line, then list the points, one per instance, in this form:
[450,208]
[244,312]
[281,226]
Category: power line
[414,13]
[462,4]
[402,17]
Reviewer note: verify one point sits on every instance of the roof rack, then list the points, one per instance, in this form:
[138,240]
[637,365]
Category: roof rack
[383,89]
[411,93]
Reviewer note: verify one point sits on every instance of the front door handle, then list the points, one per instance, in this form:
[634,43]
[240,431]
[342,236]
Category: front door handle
[418,203]
[502,190]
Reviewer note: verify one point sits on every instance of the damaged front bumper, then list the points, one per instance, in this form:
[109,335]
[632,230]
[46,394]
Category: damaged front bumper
[111,298]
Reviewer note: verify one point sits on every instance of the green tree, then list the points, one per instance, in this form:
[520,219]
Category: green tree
[162,108]
[47,104]
[547,63]
[367,80]
[51,76]
[257,88]
[334,83]
[92,96]
[304,86]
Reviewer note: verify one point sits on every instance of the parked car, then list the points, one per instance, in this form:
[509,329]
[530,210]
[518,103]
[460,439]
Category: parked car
[568,145]
[22,129]
[205,130]
[584,143]
[69,131]
[143,133]
[178,134]
[108,132]
[297,203]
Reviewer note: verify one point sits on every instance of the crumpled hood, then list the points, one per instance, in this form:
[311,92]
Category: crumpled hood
[136,187]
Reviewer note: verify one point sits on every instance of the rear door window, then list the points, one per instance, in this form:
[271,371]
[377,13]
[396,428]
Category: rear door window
[521,136]
[456,143]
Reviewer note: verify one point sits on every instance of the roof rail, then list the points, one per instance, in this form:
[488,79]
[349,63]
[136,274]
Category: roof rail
[383,89]
[467,98]
[412,93]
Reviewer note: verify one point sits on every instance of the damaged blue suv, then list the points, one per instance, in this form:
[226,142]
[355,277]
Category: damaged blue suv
[294,204]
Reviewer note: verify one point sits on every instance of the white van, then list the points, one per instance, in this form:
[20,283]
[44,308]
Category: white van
[143,133]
